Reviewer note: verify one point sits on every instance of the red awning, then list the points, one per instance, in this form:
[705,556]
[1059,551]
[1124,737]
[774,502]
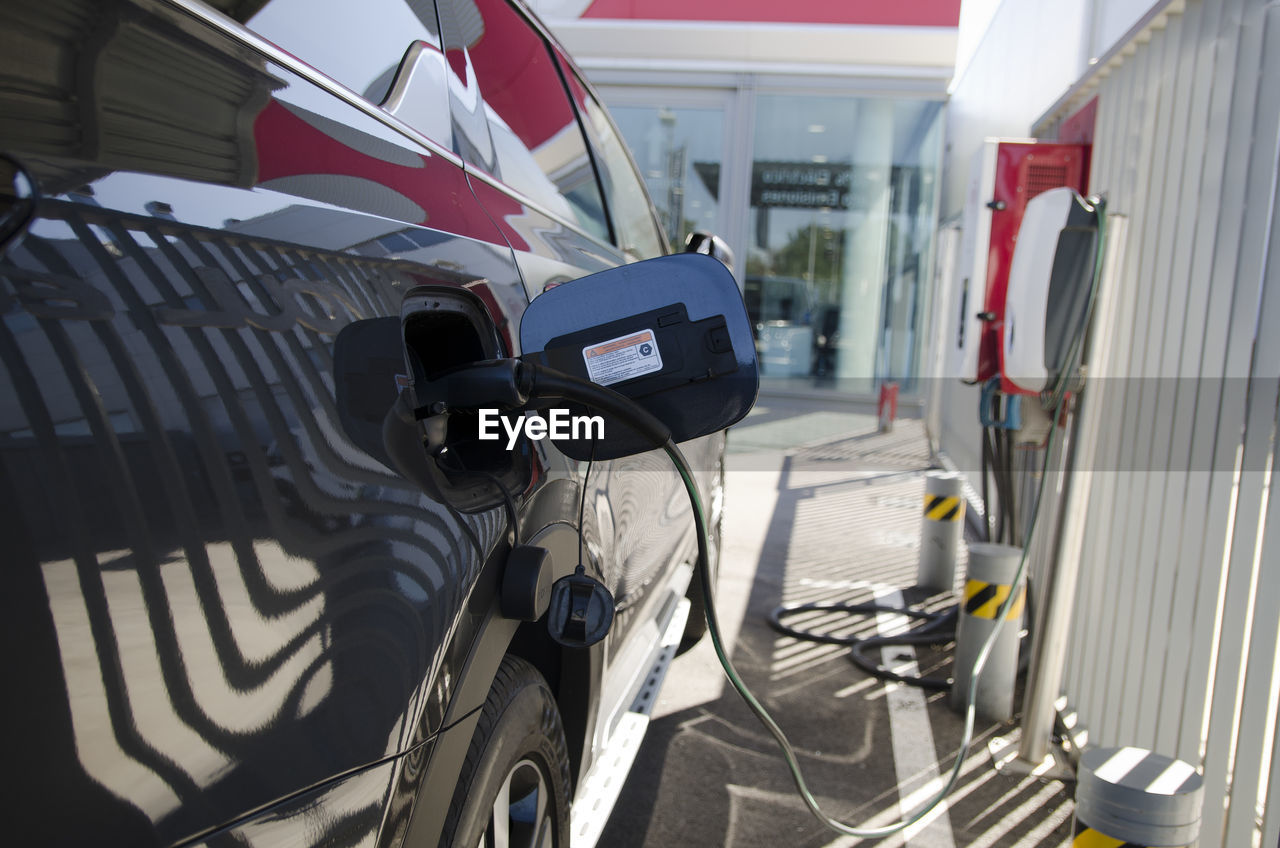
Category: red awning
[932,13]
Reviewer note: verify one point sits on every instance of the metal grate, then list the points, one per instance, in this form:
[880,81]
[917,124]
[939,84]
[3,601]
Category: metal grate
[1042,177]
[903,449]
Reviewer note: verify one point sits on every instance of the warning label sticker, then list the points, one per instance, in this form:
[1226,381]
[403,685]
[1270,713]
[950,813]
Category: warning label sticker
[619,359]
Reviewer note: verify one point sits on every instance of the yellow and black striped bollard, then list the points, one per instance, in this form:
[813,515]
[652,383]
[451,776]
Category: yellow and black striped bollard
[990,582]
[940,531]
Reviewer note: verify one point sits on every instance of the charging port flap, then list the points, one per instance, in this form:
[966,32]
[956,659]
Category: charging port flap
[670,333]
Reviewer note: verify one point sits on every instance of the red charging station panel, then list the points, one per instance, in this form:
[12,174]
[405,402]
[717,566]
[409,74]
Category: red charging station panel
[1023,170]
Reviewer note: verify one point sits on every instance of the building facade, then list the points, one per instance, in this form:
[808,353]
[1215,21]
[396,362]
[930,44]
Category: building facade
[808,135]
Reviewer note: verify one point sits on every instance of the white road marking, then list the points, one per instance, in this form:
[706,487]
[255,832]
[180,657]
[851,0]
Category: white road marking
[915,757]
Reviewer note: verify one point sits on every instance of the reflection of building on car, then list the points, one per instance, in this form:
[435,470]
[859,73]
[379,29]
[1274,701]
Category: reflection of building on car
[237,623]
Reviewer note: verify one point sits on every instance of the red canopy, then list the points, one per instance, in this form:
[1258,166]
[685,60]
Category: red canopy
[933,13]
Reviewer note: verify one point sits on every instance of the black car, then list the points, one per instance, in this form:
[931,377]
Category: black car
[229,619]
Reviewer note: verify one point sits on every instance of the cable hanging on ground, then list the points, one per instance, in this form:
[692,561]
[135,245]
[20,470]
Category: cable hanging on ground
[939,628]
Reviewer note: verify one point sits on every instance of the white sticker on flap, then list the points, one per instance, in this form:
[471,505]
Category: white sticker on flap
[632,355]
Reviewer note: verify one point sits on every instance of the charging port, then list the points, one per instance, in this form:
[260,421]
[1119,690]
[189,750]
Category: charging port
[445,330]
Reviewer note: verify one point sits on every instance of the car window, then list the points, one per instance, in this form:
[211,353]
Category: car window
[361,45]
[537,147]
[637,230]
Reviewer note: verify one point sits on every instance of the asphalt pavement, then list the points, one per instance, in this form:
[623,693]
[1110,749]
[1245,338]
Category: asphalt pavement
[822,507]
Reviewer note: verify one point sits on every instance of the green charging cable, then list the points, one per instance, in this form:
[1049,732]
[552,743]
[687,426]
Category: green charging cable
[1059,396]
[547,382]
[788,752]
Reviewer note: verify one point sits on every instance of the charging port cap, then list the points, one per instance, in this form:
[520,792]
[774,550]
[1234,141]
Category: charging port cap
[670,333]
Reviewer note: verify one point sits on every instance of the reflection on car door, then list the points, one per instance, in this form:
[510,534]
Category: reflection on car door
[207,575]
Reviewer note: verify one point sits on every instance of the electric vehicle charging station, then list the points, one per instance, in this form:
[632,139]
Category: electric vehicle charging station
[1007,175]
[1048,294]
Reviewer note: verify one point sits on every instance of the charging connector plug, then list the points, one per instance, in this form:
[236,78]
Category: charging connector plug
[502,383]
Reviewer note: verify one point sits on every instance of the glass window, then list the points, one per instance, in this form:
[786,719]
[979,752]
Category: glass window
[361,45]
[536,143]
[841,222]
[633,222]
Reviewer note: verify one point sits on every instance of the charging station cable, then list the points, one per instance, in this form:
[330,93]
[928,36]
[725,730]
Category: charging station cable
[591,393]
[788,752]
[543,382]
[517,384]
[534,381]
[938,628]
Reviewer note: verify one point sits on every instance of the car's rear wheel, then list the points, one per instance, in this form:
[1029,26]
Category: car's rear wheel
[514,788]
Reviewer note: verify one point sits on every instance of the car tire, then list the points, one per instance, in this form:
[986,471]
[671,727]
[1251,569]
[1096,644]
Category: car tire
[516,773]
[696,627]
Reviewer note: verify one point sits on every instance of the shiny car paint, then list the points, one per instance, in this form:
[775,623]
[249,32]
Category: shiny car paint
[227,623]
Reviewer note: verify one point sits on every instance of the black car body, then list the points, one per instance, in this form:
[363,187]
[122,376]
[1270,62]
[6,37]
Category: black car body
[225,623]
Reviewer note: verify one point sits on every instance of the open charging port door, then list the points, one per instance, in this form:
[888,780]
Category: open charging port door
[670,333]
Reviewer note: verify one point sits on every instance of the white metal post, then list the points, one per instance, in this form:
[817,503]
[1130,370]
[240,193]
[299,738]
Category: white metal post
[1053,622]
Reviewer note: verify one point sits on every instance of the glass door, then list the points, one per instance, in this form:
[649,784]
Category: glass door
[842,210]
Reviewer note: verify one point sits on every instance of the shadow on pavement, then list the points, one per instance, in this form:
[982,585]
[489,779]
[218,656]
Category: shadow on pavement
[710,775]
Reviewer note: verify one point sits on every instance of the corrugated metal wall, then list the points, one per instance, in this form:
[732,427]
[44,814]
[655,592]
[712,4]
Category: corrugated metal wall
[1176,629]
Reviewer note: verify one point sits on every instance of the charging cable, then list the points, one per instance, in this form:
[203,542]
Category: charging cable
[536,381]
[1058,397]
[520,383]
[788,752]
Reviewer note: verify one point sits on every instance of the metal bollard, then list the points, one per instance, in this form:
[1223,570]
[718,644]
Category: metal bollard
[940,531]
[991,571]
[1131,796]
